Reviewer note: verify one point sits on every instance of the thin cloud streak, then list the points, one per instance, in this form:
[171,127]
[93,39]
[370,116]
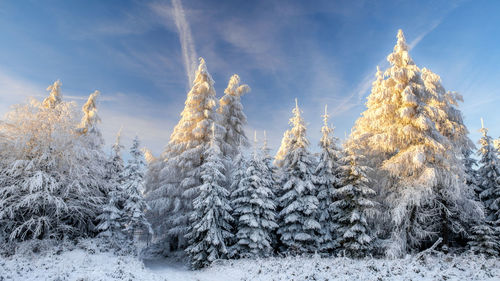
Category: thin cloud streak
[187,43]
[419,38]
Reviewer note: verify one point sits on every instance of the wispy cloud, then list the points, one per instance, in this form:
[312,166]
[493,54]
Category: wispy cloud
[187,43]
[422,35]
[257,40]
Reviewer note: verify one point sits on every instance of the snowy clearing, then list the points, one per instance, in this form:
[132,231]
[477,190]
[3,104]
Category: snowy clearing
[86,262]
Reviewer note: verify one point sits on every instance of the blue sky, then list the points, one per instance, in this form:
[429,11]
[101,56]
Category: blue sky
[321,52]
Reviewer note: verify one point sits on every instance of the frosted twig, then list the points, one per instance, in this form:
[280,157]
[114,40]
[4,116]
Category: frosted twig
[421,254]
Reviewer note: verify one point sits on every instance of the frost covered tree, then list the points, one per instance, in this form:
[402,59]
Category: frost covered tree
[283,149]
[489,177]
[171,200]
[135,206]
[414,155]
[239,166]
[328,177]
[237,173]
[55,96]
[90,153]
[484,238]
[353,208]
[209,223]
[115,164]
[270,173]
[254,210]
[46,191]
[112,219]
[266,154]
[232,117]
[298,204]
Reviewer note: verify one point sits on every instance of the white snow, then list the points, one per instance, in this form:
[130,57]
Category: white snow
[86,262]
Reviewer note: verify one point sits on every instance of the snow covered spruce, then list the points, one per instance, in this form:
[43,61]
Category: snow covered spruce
[404,180]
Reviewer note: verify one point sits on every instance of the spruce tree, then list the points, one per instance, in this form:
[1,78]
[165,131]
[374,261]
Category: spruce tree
[180,164]
[115,164]
[233,120]
[298,204]
[484,238]
[254,210]
[283,149]
[406,134]
[112,219]
[489,177]
[239,166]
[135,206]
[91,154]
[327,180]
[209,224]
[270,173]
[353,207]
[266,155]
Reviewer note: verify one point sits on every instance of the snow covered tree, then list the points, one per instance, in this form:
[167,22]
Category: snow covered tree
[232,117]
[254,210]
[239,166]
[471,176]
[485,239]
[270,173]
[115,164]
[298,204]
[133,186]
[237,173]
[327,180]
[90,152]
[284,148]
[46,190]
[353,208]
[55,96]
[414,156]
[112,219]
[266,155]
[179,172]
[209,224]
[489,177]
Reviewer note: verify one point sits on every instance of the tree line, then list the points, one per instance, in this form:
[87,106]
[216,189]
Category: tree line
[405,178]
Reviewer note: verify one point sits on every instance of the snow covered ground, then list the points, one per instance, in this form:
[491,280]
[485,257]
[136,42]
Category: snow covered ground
[86,263]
